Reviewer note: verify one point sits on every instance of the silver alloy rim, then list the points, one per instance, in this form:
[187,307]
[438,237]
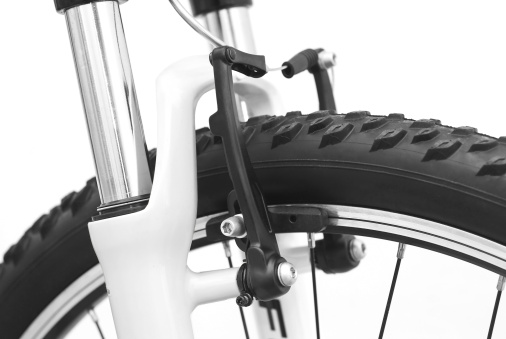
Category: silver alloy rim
[341,217]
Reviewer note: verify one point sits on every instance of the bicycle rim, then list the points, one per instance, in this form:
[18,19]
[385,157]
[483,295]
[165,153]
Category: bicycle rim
[89,289]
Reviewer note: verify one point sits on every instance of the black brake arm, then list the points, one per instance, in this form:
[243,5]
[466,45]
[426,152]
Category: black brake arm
[262,254]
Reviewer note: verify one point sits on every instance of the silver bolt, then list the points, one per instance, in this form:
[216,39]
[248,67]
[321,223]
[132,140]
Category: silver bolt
[287,274]
[326,59]
[233,227]
[357,249]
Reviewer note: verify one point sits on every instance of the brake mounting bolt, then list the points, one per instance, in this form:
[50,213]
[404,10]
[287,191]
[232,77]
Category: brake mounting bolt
[287,274]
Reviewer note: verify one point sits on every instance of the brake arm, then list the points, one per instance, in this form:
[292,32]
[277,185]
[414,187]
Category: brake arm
[259,276]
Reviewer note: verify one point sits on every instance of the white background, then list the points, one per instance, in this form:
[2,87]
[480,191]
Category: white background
[427,59]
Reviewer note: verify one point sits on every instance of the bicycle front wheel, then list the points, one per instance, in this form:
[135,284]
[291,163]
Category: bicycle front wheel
[415,182]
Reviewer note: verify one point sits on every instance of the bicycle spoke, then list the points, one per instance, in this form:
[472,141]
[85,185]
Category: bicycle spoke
[311,243]
[400,254]
[228,254]
[94,317]
[500,288]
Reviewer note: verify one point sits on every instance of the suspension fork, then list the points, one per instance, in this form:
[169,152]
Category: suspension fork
[142,255]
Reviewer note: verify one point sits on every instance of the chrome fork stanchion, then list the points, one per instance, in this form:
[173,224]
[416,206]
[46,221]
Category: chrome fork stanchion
[110,102]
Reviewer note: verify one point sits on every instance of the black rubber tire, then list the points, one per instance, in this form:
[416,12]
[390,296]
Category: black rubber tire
[453,176]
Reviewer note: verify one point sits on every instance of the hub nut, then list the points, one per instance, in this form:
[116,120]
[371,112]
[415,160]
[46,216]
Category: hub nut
[233,227]
[357,249]
[287,274]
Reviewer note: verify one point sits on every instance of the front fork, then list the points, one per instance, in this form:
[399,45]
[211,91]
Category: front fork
[143,254]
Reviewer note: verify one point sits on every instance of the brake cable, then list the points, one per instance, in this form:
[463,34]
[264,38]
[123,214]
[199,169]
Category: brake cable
[190,20]
[214,40]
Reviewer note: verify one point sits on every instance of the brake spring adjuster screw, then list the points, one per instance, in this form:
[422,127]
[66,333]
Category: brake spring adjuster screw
[244,300]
